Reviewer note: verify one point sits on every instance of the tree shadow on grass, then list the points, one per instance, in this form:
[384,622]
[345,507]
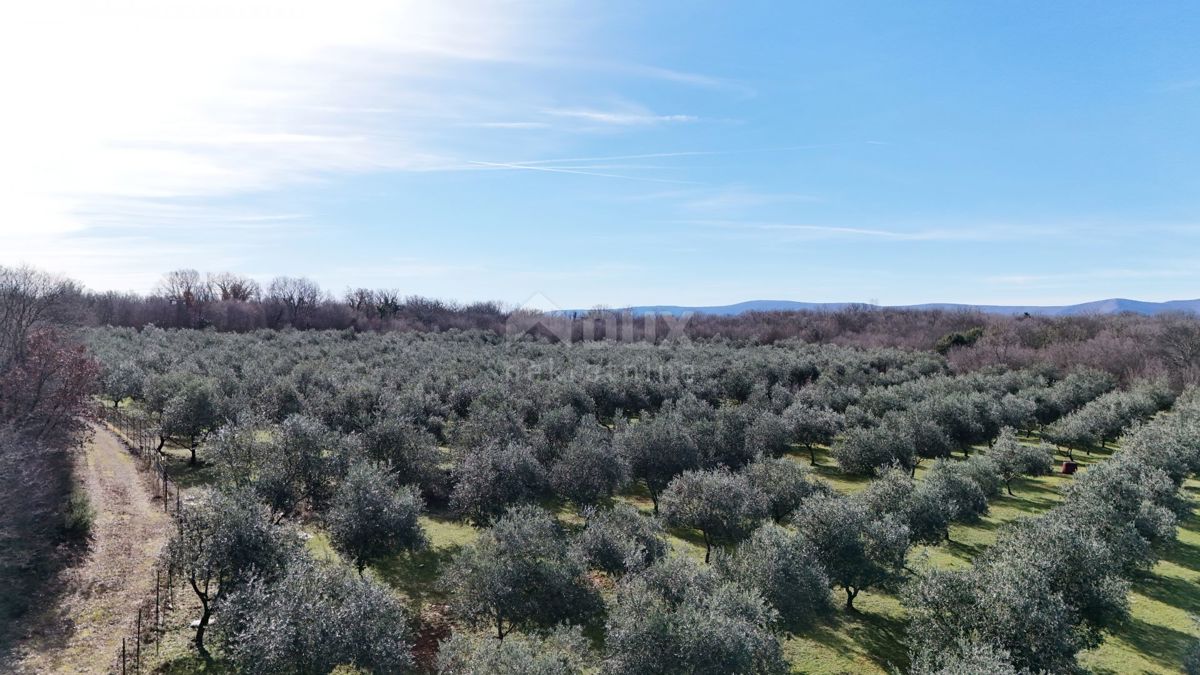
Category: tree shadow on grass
[1172,591]
[963,550]
[876,637]
[1164,646]
[416,575]
[186,475]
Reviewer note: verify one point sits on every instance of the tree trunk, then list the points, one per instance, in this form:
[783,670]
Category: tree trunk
[204,616]
[850,595]
[707,547]
[162,440]
[192,447]
[1008,485]
[812,455]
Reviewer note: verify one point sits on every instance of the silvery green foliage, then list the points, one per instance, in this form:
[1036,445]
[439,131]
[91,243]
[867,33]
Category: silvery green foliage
[221,542]
[1105,418]
[492,478]
[983,470]
[407,449]
[768,435]
[191,411]
[811,425]
[589,469]
[372,517]
[918,504]
[954,484]
[313,618]
[122,380]
[726,435]
[658,448]
[563,651]
[783,567]
[722,505]
[619,540]
[1014,459]
[1027,595]
[1071,392]
[966,658]
[859,549]
[306,460]
[784,484]
[679,617]
[519,573]
[1000,604]
[1063,542]
[865,450]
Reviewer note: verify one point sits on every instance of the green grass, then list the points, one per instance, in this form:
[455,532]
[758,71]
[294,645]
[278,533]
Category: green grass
[1160,630]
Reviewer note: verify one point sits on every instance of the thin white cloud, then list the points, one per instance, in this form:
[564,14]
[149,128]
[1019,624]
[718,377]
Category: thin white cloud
[618,117]
[165,99]
[813,231]
[508,125]
[555,169]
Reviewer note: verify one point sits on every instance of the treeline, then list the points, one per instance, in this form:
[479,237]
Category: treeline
[230,302]
[1132,347]
[46,385]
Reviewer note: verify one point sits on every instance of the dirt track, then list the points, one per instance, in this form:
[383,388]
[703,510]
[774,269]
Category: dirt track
[82,634]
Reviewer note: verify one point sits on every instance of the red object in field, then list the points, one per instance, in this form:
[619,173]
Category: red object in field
[1069,468]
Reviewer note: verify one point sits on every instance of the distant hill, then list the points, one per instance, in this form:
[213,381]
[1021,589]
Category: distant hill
[1110,306]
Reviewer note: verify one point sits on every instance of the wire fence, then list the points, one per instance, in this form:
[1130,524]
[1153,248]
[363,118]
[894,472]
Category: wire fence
[140,436]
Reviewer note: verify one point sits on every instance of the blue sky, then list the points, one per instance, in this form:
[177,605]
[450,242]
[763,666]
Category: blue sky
[611,153]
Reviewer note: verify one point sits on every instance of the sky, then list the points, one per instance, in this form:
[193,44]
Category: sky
[610,153]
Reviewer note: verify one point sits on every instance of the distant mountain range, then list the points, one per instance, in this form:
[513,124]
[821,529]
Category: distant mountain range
[1110,306]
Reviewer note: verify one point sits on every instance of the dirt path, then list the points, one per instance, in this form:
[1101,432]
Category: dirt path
[82,634]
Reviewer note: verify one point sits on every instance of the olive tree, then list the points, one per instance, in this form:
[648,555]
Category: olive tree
[407,449]
[918,504]
[191,412]
[121,381]
[784,484]
[812,426]
[768,435]
[519,573]
[561,652]
[864,450]
[222,542]
[858,550]
[722,505]
[963,496]
[658,449]
[679,617]
[784,568]
[312,619]
[619,540]
[589,469]
[1014,459]
[494,477]
[1003,606]
[371,517]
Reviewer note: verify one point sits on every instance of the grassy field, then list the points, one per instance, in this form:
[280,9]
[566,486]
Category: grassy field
[871,640]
